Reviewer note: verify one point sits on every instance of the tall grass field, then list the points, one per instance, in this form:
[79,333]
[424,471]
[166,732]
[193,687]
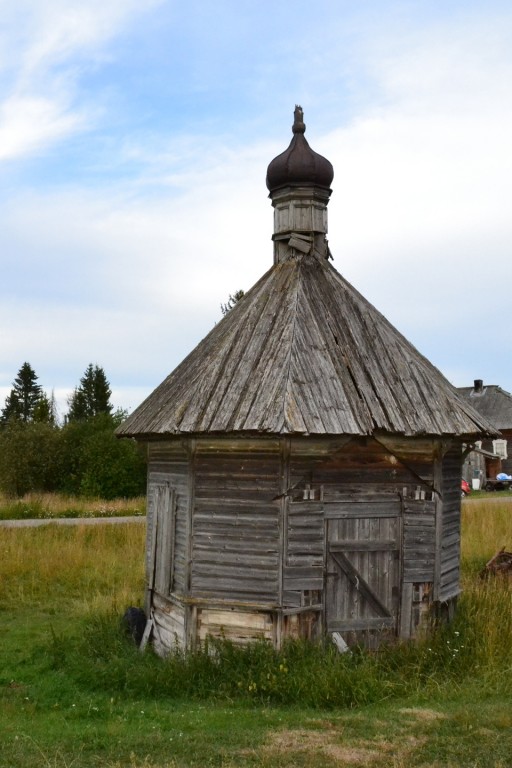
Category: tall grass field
[74,690]
[52,506]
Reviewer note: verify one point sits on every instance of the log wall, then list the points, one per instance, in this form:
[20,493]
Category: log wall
[449,527]
[169,464]
[248,527]
[236,522]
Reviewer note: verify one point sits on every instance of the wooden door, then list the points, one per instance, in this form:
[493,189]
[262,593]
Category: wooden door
[363,570]
[163,532]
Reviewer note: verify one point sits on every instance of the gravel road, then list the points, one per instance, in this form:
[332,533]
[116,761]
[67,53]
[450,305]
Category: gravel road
[70,521]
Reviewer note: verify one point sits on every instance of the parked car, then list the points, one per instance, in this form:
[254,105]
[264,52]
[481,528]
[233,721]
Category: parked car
[465,488]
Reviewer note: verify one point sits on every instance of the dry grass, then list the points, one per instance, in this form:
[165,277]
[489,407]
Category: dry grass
[81,563]
[486,528]
[54,505]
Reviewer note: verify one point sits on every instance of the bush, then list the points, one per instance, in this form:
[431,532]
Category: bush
[28,457]
[111,468]
[81,458]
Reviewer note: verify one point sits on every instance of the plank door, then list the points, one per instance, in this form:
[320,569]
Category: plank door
[363,571]
[163,533]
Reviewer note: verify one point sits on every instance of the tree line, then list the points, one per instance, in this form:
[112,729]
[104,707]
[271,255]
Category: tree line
[80,455]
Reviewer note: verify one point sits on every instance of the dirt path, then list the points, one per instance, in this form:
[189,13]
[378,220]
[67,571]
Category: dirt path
[70,521]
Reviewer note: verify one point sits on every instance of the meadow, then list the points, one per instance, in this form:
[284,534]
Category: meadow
[74,691]
[51,506]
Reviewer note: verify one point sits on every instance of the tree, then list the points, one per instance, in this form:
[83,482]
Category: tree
[92,396]
[112,468]
[28,457]
[94,462]
[45,410]
[24,396]
[233,299]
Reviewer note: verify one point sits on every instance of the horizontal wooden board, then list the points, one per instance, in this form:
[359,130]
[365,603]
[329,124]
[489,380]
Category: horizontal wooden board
[359,545]
[360,510]
[354,625]
[236,626]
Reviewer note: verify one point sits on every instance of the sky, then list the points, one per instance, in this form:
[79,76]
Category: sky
[134,141]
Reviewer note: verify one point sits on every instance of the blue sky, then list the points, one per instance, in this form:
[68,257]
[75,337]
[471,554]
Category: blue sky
[134,142]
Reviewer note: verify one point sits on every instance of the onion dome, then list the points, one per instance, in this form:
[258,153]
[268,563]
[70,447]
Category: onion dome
[299,165]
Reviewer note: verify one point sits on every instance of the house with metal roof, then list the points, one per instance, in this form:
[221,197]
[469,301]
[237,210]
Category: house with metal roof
[304,460]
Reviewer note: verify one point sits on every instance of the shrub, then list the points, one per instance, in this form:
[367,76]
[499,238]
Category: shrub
[28,457]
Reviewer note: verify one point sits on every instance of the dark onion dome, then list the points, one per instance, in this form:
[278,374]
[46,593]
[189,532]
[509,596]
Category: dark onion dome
[299,165]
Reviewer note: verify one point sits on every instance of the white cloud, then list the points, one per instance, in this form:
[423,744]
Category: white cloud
[44,49]
[420,213]
[27,123]
[130,272]
[132,283]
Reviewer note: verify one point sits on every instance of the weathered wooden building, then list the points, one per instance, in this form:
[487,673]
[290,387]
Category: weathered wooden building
[490,456]
[304,459]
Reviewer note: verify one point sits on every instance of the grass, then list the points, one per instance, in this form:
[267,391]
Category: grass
[481,494]
[48,506]
[75,692]
[486,528]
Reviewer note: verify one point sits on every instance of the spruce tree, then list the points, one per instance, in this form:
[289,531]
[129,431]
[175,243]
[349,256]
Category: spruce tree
[45,411]
[24,396]
[92,396]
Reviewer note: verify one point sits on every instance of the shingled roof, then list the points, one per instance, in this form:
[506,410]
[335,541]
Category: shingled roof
[303,353]
[491,401]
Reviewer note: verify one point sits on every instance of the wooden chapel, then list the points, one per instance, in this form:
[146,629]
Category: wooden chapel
[304,460]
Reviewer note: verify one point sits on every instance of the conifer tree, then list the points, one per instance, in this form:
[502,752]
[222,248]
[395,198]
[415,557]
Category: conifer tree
[24,396]
[45,410]
[92,396]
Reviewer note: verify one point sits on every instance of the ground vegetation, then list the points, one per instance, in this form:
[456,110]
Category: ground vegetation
[75,690]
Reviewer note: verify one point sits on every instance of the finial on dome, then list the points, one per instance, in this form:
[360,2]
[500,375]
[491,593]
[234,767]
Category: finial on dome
[299,165]
[298,120]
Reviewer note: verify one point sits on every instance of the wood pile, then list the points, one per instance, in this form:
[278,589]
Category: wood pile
[499,565]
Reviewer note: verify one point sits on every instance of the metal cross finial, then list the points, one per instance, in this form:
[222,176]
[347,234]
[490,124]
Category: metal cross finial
[298,120]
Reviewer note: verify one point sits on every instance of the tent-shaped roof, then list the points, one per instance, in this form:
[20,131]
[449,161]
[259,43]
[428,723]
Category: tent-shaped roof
[304,353]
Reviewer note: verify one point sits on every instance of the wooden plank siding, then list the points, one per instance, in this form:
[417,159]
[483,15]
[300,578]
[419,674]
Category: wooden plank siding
[362,465]
[169,625]
[419,541]
[235,524]
[449,552]
[249,546]
[237,626]
[169,463]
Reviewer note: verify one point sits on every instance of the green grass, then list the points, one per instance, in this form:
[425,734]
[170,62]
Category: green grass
[481,494]
[75,692]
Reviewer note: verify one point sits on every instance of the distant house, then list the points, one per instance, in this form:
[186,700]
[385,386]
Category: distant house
[491,456]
